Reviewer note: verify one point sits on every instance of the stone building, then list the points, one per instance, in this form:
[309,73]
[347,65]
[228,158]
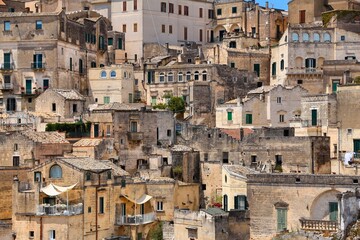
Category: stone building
[268,106]
[12,6]
[210,223]
[59,50]
[96,148]
[112,84]
[66,103]
[292,202]
[137,131]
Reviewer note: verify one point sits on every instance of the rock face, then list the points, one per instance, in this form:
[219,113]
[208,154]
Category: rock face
[354,232]
[302,235]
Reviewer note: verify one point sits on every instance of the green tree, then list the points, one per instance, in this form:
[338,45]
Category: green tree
[176,104]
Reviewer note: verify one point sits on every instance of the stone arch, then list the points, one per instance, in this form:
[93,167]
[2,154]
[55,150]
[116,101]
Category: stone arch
[319,209]
[220,32]
[235,28]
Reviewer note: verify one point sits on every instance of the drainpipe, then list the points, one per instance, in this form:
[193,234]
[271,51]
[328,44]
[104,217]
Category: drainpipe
[41,229]
[312,158]
[96,208]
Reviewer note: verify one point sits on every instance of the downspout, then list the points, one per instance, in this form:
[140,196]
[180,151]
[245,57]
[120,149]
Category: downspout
[96,208]
[41,229]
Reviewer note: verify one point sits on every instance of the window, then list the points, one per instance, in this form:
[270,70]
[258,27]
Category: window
[162,77]
[119,43]
[170,29]
[342,38]
[108,130]
[31,234]
[281,219]
[225,157]
[106,99]
[281,118]
[171,8]
[282,63]
[74,108]
[278,100]
[240,202]
[130,98]
[135,5]
[38,24]
[81,70]
[327,37]
[135,27]
[310,64]
[306,37]
[185,33]
[112,74]
[316,37]
[335,84]
[196,76]
[7,26]
[101,205]
[200,12]
[232,44]
[206,157]
[257,69]
[163,7]
[88,176]
[273,69]
[278,163]
[38,61]
[163,28]
[124,6]
[225,202]
[218,11]
[302,16]
[253,158]
[70,64]
[109,175]
[204,75]
[248,118]
[124,28]
[93,65]
[16,147]
[101,43]
[203,186]
[295,37]
[53,107]
[314,117]
[350,58]
[299,82]
[52,234]
[16,161]
[232,64]
[333,211]
[133,126]
[168,132]
[153,101]
[192,233]
[103,74]
[211,14]
[200,35]
[188,76]
[159,206]
[55,171]
[170,77]
[233,9]
[186,10]
[179,9]
[229,116]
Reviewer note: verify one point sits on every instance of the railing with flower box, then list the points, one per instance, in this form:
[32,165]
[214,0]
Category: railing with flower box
[318,225]
[136,219]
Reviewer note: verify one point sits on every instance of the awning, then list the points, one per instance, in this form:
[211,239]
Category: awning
[54,190]
[141,200]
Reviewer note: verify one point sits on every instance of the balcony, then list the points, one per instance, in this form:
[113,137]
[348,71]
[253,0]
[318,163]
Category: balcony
[136,219]
[60,209]
[304,71]
[7,86]
[318,225]
[7,66]
[135,136]
[38,65]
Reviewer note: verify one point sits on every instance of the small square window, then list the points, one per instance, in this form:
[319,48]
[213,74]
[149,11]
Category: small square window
[219,11]
[31,234]
[7,26]
[342,38]
[299,82]
[159,206]
[233,9]
[38,24]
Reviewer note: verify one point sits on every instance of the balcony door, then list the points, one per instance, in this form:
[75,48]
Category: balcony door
[333,211]
[7,62]
[28,87]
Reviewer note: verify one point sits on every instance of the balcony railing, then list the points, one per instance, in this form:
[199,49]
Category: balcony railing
[38,65]
[135,136]
[60,209]
[318,225]
[309,123]
[294,71]
[136,219]
[7,66]
[7,86]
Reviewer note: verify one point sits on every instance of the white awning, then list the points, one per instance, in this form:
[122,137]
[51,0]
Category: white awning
[141,200]
[54,190]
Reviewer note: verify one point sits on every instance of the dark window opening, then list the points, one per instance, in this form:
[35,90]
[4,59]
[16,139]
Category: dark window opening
[225,157]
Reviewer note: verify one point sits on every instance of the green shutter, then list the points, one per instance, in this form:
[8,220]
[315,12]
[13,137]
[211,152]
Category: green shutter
[248,119]
[335,85]
[229,116]
[313,117]
[236,203]
[281,219]
[333,211]
[356,145]
[273,69]
[120,43]
[225,203]
[257,69]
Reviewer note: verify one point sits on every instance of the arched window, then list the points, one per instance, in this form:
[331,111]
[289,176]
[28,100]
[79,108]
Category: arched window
[225,202]
[295,37]
[316,37]
[196,75]
[188,76]
[180,77]
[282,64]
[55,171]
[162,77]
[170,77]
[103,74]
[204,75]
[112,74]
[93,64]
[306,37]
[327,37]
[125,74]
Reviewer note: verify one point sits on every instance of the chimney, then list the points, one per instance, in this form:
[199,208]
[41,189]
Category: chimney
[267,5]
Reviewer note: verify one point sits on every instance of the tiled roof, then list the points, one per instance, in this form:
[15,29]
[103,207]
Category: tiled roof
[45,137]
[22,14]
[233,101]
[238,170]
[89,164]
[69,94]
[261,89]
[88,142]
[119,106]
[215,211]
[181,148]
